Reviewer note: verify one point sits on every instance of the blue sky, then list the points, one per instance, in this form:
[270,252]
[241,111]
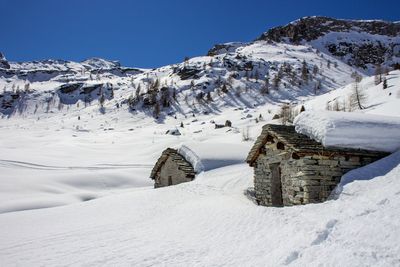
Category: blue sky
[154,33]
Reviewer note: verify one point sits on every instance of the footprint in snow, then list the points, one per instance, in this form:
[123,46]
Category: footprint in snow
[366,212]
[294,255]
[324,234]
[383,202]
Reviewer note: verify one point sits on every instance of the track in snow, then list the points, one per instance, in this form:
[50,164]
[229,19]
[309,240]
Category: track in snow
[29,165]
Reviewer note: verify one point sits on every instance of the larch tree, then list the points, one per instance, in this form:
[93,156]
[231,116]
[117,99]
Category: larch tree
[357,97]
[304,72]
[378,74]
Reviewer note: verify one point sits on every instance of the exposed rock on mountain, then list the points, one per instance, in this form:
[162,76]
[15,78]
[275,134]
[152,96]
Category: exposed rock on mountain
[3,62]
[357,42]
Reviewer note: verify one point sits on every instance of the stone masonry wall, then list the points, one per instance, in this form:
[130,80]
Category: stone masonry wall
[262,175]
[305,179]
[317,175]
[170,169]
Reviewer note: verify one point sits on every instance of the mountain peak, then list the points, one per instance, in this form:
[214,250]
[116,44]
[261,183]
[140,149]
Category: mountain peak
[3,62]
[313,27]
[100,63]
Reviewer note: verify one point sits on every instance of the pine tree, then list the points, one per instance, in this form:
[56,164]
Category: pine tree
[276,81]
[101,101]
[156,111]
[304,72]
[378,74]
[174,94]
[112,91]
[256,76]
[384,85]
[209,98]
[224,88]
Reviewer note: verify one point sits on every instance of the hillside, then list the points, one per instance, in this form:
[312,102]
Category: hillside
[201,84]
[377,100]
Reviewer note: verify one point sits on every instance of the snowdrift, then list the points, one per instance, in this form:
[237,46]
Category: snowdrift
[351,130]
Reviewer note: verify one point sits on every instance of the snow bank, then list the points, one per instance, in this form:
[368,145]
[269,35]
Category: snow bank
[351,130]
[369,172]
[208,156]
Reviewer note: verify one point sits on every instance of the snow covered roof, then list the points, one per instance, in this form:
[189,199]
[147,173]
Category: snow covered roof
[298,142]
[183,165]
[206,156]
[351,130]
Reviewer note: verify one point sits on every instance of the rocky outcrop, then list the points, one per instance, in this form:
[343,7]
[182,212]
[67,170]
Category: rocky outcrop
[3,62]
[70,93]
[223,48]
[311,28]
[358,43]
[186,73]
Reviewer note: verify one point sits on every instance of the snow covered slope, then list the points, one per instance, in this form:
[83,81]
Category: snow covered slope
[255,74]
[376,99]
[210,222]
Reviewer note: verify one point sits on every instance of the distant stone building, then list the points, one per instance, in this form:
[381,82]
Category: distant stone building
[292,169]
[171,169]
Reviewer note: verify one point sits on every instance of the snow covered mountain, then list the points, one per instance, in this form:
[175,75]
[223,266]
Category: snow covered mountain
[359,43]
[283,65]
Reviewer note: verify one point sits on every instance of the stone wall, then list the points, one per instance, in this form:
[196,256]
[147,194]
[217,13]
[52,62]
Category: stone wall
[308,178]
[262,176]
[170,169]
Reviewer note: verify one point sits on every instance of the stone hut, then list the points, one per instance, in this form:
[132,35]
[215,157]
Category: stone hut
[292,169]
[171,169]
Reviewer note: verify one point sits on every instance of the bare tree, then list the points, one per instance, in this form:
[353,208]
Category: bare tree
[378,74]
[287,114]
[357,97]
[27,87]
[245,134]
[265,88]
[304,72]
[276,81]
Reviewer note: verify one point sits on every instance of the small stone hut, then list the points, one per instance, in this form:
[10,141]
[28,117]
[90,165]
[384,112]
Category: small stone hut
[292,169]
[171,169]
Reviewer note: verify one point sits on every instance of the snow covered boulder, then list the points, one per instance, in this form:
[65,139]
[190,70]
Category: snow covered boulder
[350,130]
